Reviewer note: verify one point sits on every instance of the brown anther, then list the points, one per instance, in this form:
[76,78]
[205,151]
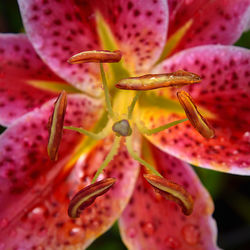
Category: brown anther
[194,116]
[55,125]
[87,196]
[154,81]
[98,56]
[172,191]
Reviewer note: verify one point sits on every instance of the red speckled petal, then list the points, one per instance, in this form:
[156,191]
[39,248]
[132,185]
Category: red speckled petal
[174,6]
[58,30]
[25,169]
[19,63]
[140,28]
[48,226]
[181,11]
[224,96]
[152,222]
[213,21]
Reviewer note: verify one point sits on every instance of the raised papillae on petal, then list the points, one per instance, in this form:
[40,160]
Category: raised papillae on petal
[87,196]
[56,125]
[194,116]
[98,56]
[155,81]
[172,191]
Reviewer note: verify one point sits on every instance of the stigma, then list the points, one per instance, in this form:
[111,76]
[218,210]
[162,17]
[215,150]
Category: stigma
[122,128]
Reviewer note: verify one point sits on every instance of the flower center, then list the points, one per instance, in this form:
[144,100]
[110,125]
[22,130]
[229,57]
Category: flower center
[120,114]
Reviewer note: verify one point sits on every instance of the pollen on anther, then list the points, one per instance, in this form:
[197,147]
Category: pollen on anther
[97,56]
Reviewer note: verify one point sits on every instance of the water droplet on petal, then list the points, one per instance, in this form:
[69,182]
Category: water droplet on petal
[131,232]
[148,228]
[37,213]
[235,152]
[246,136]
[191,234]
[172,242]
[75,231]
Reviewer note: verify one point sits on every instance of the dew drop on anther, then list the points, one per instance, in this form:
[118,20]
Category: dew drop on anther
[191,234]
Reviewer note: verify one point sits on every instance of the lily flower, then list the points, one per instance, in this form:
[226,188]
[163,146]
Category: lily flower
[154,37]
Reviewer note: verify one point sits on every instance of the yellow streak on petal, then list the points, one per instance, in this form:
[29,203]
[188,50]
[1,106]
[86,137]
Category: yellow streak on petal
[108,42]
[174,40]
[53,86]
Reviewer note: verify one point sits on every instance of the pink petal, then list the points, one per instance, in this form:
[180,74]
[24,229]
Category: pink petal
[182,11]
[140,28]
[224,92]
[60,29]
[152,222]
[48,226]
[19,63]
[214,22]
[174,6]
[25,169]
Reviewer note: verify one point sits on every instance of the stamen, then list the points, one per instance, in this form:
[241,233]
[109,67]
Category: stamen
[95,136]
[194,116]
[132,105]
[147,131]
[106,92]
[154,81]
[87,196]
[109,157]
[56,126]
[129,145]
[122,128]
[97,56]
[172,191]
